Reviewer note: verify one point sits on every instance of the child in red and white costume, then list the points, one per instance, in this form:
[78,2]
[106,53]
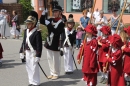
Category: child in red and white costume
[116,76]
[104,45]
[126,51]
[89,66]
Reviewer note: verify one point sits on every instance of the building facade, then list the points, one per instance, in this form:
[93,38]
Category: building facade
[8,1]
[75,7]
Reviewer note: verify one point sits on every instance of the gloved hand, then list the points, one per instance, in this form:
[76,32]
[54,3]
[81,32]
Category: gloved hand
[47,22]
[44,12]
[61,52]
[71,32]
[21,56]
[36,59]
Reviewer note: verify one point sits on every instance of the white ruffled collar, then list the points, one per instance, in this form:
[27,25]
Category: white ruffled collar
[114,50]
[90,38]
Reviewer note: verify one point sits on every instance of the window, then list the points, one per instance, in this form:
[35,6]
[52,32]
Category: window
[61,3]
[78,5]
[108,5]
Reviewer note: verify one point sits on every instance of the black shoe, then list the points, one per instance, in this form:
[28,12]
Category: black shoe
[101,80]
[23,60]
[35,85]
[105,81]
[0,64]
[68,73]
[127,83]
[30,85]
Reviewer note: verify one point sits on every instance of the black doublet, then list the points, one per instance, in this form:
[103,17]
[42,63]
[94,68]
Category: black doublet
[72,38]
[35,40]
[56,31]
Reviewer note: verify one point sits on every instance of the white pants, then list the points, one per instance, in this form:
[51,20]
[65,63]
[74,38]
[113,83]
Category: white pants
[68,60]
[114,31]
[54,62]
[99,33]
[32,69]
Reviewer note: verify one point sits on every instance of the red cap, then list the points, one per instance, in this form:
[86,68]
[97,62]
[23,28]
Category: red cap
[91,29]
[106,30]
[127,30]
[116,41]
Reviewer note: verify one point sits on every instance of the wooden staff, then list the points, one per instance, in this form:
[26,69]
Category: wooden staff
[79,61]
[118,17]
[90,21]
[121,16]
[118,25]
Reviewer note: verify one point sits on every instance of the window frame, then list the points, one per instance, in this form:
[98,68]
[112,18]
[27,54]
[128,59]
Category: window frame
[111,13]
[72,11]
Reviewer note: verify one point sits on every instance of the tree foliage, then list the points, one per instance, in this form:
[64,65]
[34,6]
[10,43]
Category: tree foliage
[26,8]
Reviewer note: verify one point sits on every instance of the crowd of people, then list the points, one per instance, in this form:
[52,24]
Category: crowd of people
[100,47]
[5,31]
[6,21]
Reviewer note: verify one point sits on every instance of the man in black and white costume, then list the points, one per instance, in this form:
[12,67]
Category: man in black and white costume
[55,27]
[32,43]
[69,37]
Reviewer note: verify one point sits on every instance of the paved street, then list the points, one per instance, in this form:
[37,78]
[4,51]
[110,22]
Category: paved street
[13,72]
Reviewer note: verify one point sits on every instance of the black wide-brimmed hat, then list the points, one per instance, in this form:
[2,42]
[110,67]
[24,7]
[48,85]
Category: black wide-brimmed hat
[57,8]
[34,14]
[31,19]
[70,20]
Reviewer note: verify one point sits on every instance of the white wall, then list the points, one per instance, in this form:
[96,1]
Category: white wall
[9,1]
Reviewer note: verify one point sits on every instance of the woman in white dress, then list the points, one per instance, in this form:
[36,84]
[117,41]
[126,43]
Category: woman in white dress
[1,21]
[4,27]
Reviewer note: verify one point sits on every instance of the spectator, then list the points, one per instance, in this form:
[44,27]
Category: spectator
[100,22]
[4,26]
[7,17]
[78,36]
[89,13]
[15,25]
[114,22]
[84,21]
[70,16]
[96,14]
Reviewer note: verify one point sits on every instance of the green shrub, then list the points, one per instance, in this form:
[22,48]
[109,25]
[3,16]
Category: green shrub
[26,8]
[44,32]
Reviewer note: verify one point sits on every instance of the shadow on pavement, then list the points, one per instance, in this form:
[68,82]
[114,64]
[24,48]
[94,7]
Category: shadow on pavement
[59,83]
[63,79]
[9,64]
[77,74]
